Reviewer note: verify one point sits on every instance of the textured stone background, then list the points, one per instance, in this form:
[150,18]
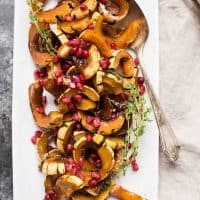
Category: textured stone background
[179,94]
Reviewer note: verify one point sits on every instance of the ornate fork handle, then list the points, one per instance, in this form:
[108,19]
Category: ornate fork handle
[168,138]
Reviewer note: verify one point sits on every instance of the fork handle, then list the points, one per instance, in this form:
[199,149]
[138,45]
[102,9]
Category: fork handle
[168,138]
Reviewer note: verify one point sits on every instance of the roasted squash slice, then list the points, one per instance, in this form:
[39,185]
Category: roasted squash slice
[108,82]
[87,91]
[64,49]
[111,126]
[75,25]
[114,10]
[52,87]
[84,122]
[50,16]
[77,153]
[123,194]
[49,121]
[78,134]
[66,185]
[64,134]
[50,182]
[106,155]
[96,36]
[98,81]
[114,142]
[42,144]
[53,166]
[40,58]
[122,59]
[78,13]
[93,63]
[86,104]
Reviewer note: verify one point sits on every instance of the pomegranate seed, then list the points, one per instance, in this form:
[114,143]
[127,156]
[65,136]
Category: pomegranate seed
[92,182]
[36,75]
[91,26]
[47,197]
[80,86]
[72,85]
[52,193]
[47,26]
[38,133]
[113,115]
[83,6]
[78,97]
[96,122]
[33,139]
[42,82]
[74,171]
[44,100]
[85,54]
[113,46]
[89,137]
[134,164]
[89,119]
[65,66]
[42,72]
[70,36]
[75,79]
[95,175]
[78,127]
[66,100]
[73,50]
[98,163]
[81,78]
[68,167]
[104,1]
[58,73]
[76,117]
[69,148]
[79,53]
[81,175]
[140,80]
[78,166]
[40,110]
[55,59]
[81,161]
[85,45]
[142,89]
[72,107]
[74,42]
[59,80]
[93,156]
[136,61]
[123,96]
[104,63]
[70,161]
[68,18]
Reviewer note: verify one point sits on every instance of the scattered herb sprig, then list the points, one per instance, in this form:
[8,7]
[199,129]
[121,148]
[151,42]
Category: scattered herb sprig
[137,111]
[44,32]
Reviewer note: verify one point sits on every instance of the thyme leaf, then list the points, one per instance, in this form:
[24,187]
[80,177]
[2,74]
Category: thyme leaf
[137,111]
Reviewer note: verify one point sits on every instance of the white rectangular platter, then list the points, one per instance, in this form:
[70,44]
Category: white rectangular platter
[27,180]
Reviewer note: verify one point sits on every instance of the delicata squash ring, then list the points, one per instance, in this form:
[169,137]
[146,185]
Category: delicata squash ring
[114,10]
[49,121]
[40,58]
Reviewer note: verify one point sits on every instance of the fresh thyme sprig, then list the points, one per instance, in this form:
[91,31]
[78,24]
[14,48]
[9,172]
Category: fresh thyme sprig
[44,32]
[137,111]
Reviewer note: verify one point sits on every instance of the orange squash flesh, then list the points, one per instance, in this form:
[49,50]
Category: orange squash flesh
[41,59]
